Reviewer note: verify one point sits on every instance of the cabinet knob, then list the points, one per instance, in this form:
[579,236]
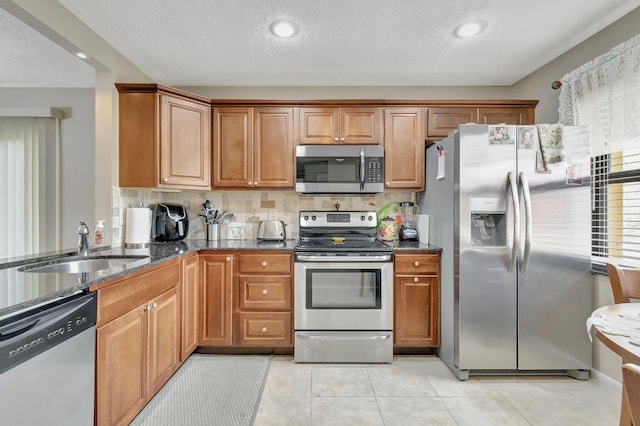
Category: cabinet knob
[228,258]
[265,291]
[249,183]
[165,179]
[147,308]
[155,305]
[341,139]
[255,183]
[336,139]
[264,329]
[416,279]
[416,263]
[264,263]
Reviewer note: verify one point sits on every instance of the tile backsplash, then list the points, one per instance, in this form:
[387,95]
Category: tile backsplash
[248,207]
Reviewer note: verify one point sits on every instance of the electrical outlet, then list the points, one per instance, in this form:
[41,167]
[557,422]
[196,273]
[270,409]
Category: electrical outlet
[235,232]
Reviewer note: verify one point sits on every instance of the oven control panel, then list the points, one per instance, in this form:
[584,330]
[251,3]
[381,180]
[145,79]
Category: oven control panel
[350,219]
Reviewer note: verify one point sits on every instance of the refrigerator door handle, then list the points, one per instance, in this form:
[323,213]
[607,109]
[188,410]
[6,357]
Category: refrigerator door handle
[524,187]
[512,252]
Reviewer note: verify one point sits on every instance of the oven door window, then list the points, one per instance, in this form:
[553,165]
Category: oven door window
[343,289]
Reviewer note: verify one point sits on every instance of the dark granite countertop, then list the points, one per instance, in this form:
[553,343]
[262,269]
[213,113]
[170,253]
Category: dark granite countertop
[23,290]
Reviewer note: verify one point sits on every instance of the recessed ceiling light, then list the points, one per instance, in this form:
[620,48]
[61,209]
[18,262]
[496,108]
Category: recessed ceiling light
[82,55]
[284,29]
[469,29]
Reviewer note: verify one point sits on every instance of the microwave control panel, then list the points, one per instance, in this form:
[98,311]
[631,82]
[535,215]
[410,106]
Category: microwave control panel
[375,171]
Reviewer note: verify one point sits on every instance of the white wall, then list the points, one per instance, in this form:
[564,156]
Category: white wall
[77,149]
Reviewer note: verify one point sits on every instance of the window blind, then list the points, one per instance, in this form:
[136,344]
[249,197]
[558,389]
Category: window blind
[616,207]
[29,181]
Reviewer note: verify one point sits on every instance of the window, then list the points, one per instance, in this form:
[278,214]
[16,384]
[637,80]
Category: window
[28,185]
[616,206]
[604,94]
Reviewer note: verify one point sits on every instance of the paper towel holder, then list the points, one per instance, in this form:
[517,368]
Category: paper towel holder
[138,217]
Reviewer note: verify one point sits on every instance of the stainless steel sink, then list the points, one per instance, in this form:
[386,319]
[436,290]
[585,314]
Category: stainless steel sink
[77,265]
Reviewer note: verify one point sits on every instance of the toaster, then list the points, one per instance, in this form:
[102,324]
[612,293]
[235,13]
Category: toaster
[271,230]
[170,222]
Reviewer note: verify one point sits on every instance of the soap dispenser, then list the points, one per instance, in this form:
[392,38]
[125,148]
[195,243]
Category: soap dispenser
[99,233]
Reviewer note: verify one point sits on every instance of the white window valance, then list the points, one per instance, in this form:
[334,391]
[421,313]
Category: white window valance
[604,94]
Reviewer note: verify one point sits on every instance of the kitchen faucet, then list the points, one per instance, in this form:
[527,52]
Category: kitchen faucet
[83,239]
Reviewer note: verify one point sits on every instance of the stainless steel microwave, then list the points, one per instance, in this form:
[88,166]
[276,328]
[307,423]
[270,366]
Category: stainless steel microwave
[339,169]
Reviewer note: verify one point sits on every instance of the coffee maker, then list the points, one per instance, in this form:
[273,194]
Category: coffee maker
[408,231]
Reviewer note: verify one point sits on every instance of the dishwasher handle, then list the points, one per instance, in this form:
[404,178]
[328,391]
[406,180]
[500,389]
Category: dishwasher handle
[12,330]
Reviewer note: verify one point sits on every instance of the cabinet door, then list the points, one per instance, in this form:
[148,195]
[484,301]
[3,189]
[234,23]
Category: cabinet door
[404,148]
[232,138]
[121,382]
[506,115]
[216,304]
[164,338]
[273,148]
[264,329]
[416,311]
[319,126]
[185,143]
[264,292]
[441,121]
[361,125]
[189,300]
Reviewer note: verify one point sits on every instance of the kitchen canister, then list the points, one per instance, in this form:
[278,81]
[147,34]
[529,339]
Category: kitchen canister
[138,227]
[213,232]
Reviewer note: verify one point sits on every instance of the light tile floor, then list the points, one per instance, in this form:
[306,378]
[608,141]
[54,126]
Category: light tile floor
[422,391]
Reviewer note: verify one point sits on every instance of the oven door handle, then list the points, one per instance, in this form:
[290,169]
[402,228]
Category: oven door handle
[315,258]
[336,336]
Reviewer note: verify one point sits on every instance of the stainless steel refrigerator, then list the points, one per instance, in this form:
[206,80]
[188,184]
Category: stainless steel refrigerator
[515,232]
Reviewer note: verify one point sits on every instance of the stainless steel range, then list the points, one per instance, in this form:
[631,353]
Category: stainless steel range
[343,289]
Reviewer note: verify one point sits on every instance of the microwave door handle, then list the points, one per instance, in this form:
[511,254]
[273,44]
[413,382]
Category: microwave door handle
[362,164]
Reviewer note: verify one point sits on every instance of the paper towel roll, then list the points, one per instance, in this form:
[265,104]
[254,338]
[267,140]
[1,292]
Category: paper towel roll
[423,228]
[138,231]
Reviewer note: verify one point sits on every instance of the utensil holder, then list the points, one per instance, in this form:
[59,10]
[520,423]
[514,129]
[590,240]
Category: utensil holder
[213,232]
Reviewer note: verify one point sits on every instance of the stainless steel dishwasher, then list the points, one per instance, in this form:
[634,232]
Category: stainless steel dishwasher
[47,364]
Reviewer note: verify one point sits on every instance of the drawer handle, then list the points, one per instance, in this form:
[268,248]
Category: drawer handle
[265,291]
[264,263]
[264,329]
[416,279]
[416,263]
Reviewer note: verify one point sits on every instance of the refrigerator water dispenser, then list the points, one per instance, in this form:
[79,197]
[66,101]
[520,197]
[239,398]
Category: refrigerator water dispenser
[488,222]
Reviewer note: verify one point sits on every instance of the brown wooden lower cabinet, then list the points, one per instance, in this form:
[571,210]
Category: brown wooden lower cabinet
[417,300]
[245,299]
[189,279]
[137,343]
[216,308]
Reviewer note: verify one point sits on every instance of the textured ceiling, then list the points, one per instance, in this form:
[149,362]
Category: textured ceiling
[29,59]
[340,42]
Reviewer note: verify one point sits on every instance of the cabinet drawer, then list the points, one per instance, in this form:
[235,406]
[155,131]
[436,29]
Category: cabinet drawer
[119,298]
[264,329]
[264,292]
[416,264]
[264,263]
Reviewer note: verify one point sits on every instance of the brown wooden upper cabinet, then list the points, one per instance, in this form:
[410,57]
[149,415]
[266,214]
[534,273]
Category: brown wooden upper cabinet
[404,148]
[165,138]
[253,147]
[345,125]
[442,120]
